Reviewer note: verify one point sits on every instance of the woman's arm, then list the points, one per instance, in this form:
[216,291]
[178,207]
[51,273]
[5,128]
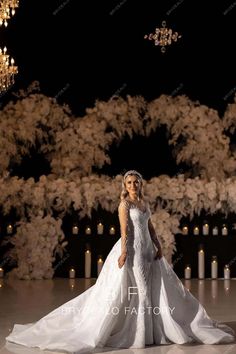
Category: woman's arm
[123,218]
[154,239]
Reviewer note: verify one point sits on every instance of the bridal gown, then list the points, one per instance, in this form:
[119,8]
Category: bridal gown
[142,303]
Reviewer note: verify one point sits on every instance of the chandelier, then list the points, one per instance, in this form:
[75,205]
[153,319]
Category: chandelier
[7,9]
[163,36]
[7,70]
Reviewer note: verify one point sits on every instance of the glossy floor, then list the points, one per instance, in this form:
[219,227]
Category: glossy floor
[23,301]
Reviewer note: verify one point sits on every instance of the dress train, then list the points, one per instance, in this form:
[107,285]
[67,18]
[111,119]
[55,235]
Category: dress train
[115,313]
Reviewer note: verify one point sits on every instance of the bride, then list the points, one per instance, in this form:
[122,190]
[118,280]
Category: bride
[137,299]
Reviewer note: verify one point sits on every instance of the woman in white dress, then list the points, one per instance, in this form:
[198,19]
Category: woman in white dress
[137,300]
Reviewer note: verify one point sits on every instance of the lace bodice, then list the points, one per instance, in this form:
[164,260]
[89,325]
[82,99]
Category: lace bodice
[138,236]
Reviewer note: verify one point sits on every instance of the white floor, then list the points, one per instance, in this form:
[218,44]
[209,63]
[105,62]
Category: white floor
[23,301]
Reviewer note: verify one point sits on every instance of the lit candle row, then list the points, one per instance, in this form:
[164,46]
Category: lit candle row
[201,268]
[75,229]
[88,230]
[205,230]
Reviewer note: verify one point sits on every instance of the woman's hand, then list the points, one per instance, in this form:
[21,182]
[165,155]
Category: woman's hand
[158,254]
[121,260]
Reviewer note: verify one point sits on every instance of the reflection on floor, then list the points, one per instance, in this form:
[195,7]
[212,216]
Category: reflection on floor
[25,301]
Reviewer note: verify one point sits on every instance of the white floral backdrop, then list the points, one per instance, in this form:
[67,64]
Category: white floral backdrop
[37,120]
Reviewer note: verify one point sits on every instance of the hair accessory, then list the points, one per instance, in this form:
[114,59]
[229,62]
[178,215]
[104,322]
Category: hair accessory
[132,172]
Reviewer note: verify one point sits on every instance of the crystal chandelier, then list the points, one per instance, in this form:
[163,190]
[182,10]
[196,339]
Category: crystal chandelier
[163,36]
[7,70]
[7,9]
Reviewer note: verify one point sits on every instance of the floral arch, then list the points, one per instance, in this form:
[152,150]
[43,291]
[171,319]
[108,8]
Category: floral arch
[199,137]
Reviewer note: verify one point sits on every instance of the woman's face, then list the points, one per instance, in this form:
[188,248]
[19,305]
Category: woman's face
[132,185]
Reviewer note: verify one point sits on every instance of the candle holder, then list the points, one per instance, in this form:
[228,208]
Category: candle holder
[100,228]
[88,230]
[215,231]
[196,230]
[185,230]
[214,267]
[112,230]
[75,230]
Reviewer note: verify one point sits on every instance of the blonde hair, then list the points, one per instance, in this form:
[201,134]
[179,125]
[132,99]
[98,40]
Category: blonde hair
[124,192]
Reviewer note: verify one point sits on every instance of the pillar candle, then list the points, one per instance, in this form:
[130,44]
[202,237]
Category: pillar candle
[87,264]
[205,229]
[214,268]
[112,230]
[226,272]
[88,230]
[196,230]
[224,230]
[1,272]
[72,273]
[9,229]
[215,231]
[185,230]
[75,230]
[201,264]
[100,228]
[99,265]
[187,272]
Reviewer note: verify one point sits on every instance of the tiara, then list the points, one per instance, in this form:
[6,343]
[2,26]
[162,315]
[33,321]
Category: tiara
[132,172]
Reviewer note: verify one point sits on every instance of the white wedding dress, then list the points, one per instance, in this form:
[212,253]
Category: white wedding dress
[142,303]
